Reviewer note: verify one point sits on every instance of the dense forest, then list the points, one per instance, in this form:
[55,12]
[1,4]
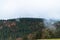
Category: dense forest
[27,29]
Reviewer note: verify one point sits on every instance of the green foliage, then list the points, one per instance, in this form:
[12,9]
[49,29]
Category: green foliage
[22,28]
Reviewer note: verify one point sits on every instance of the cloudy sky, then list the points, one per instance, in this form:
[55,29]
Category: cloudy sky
[30,8]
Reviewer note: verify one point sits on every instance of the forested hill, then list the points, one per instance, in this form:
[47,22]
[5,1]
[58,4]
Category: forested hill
[20,27]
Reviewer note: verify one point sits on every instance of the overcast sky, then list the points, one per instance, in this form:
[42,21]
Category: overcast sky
[29,8]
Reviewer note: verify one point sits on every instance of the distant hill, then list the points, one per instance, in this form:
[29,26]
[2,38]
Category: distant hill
[20,27]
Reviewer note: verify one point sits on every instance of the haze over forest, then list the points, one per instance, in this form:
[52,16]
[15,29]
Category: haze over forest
[48,9]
